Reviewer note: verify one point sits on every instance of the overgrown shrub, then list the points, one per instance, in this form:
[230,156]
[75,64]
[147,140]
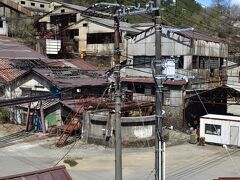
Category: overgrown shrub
[4,115]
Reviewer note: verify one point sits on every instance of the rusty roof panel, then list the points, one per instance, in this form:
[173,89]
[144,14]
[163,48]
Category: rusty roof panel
[7,72]
[11,49]
[179,82]
[64,78]
[144,80]
[83,65]
[55,173]
[138,80]
[198,36]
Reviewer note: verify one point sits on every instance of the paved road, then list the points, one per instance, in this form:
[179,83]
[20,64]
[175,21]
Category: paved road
[96,162]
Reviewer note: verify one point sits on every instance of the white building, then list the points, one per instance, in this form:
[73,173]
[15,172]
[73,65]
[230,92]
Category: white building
[220,129]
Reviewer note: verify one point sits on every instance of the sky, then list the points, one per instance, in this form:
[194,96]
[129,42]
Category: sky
[209,2]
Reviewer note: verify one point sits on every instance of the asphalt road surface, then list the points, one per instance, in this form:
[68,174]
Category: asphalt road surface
[93,162]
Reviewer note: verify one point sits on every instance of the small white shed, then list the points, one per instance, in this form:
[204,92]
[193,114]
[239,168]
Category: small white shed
[220,129]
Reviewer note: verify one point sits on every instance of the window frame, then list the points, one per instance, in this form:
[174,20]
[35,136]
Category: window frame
[211,130]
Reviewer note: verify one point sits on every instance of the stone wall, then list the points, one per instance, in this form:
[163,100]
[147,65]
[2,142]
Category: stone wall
[173,117]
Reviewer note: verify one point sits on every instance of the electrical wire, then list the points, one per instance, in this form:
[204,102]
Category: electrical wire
[219,135]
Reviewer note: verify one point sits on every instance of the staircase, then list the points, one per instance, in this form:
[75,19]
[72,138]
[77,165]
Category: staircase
[68,130]
[74,124]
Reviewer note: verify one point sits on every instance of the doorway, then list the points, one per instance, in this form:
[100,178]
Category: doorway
[234,135]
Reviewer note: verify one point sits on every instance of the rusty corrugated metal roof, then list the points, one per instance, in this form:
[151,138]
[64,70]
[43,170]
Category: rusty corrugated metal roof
[64,78]
[144,80]
[74,63]
[178,82]
[83,65]
[198,36]
[55,173]
[9,73]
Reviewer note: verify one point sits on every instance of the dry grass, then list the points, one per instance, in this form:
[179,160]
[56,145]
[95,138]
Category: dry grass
[70,162]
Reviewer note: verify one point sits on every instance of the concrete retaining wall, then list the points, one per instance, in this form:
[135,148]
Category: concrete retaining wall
[99,128]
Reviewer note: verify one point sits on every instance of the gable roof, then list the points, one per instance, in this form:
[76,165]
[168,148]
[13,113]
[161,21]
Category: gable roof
[124,26]
[74,7]
[188,34]
[110,24]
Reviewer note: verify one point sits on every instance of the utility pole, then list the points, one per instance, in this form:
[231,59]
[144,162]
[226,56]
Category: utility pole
[159,141]
[122,11]
[118,138]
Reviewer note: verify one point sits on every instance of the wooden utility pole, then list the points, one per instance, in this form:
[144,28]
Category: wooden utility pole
[159,142]
[118,138]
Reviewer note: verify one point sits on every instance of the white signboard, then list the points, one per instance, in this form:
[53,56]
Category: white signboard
[169,69]
[53,46]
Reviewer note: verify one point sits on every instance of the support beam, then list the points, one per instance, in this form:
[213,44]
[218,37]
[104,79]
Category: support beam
[28,117]
[42,118]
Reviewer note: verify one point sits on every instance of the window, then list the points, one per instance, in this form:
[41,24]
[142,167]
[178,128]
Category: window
[41,5]
[32,4]
[100,38]
[22,2]
[142,61]
[85,24]
[195,62]
[139,88]
[72,33]
[62,10]
[213,129]
[1,24]
[179,64]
